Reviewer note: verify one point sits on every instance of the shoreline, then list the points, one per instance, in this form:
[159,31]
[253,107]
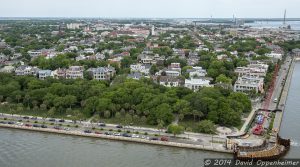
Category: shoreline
[284,93]
[119,138]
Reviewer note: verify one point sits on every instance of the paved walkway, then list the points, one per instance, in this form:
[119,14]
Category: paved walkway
[282,100]
[249,118]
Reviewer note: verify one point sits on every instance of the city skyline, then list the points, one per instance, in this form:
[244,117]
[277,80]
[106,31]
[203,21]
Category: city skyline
[150,9]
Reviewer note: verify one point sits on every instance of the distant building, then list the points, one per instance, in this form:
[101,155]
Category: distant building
[59,73]
[245,84]
[254,72]
[196,83]
[3,58]
[274,55]
[102,73]
[7,69]
[74,72]
[26,70]
[135,75]
[43,74]
[196,72]
[147,59]
[140,68]
[89,50]
[34,53]
[296,52]
[170,73]
[169,81]
[73,26]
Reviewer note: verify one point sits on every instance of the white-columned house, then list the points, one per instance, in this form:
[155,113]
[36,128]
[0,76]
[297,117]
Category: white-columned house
[196,83]
[74,72]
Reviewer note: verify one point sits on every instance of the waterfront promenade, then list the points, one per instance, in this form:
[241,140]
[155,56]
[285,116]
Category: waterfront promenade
[121,138]
[283,95]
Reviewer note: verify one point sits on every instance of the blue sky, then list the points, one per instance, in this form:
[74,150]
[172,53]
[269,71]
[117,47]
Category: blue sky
[149,8]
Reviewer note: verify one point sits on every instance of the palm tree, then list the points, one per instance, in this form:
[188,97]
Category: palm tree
[43,107]
[131,112]
[200,115]
[18,97]
[160,125]
[146,112]
[27,99]
[194,112]
[34,103]
[1,98]
[82,103]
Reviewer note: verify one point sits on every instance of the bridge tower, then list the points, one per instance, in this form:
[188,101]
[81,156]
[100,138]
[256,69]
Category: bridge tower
[284,17]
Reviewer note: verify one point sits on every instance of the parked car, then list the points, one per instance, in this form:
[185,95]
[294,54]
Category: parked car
[34,118]
[126,135]
[102,124]
[61,120]
[19,123]
[164,138]
[3,122]
[52,119]
[56,127]
[36,125]
[119,126]
[67,129]
[117,134]
[87,131]
[43,126]
[98,132]
[10,122]
[25,117]
[107,133]
[28,125]
[135,136]
[153,138]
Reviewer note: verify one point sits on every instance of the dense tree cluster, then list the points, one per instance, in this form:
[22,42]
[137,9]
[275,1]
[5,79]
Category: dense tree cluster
[129,99]
[290,45]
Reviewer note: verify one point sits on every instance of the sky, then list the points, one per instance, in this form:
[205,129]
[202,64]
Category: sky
[150,8]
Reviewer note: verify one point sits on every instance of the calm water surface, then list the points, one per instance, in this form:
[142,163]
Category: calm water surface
[295,25]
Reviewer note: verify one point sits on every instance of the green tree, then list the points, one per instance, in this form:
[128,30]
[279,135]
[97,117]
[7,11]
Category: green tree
[175,129]
[107,114]
[126,61]
[153,69]
[160,125]
[223,79]
[70,100]
[206,126]
[1,98]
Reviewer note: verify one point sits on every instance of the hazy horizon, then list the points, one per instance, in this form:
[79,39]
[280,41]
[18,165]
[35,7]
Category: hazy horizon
[150,9]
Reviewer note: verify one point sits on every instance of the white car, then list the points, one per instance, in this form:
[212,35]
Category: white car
[275,100]
[117,134]
[67,129]
[135,136]
[20,123]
